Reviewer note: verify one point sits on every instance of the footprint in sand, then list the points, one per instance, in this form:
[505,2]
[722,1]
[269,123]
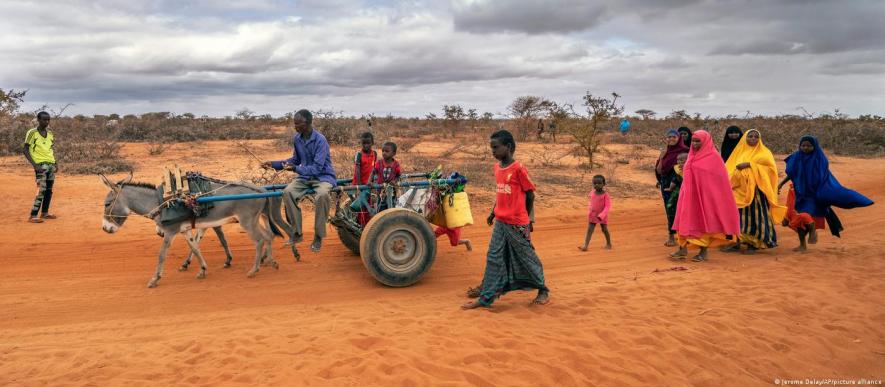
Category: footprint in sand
[367,343]
[780,347]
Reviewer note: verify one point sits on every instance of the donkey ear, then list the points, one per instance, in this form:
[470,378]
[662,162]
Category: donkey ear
[127,179]
[106,182]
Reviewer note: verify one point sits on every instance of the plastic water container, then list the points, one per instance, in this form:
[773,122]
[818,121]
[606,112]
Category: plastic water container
[456,208]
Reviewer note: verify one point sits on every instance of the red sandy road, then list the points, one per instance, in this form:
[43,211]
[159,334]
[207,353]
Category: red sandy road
[75,308]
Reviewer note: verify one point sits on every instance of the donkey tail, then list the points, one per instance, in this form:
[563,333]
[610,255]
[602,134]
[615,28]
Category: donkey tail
[272,210]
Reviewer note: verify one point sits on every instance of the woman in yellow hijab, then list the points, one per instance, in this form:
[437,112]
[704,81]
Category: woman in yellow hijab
[753,173]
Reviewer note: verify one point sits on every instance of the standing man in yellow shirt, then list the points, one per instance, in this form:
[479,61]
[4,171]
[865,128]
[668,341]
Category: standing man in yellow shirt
[38,151]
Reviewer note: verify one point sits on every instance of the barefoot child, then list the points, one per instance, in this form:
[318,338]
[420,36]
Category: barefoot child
[454,235]
[803,224]
[814,192]
[600,204]
[511,262]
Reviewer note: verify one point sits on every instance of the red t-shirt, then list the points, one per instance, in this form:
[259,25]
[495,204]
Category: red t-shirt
[364,162]
[512,184]
[386,172]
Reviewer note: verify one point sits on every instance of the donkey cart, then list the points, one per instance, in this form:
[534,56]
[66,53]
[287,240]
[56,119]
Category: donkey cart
[397,244]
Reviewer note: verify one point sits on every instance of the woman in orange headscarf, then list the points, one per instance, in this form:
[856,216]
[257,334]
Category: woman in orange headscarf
[754,178]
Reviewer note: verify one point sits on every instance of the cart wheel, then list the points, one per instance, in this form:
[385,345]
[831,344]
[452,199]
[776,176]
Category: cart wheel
[398,247]
[349,239]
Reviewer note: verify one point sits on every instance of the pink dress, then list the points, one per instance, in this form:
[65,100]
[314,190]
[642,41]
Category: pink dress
[599,207]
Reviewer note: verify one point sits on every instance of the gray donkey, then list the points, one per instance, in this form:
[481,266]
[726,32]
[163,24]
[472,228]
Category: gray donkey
[221,239]
[143,199]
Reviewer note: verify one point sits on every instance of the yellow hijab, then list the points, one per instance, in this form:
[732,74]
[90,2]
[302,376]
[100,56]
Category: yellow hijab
[762,175]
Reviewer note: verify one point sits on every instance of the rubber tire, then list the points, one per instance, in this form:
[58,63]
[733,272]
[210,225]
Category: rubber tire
[349,240]
[379,228]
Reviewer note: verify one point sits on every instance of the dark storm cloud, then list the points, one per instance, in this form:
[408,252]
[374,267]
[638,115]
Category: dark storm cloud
[759,47]
[528,16]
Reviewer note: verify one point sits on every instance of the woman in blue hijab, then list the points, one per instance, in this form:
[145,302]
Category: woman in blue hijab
[815,190]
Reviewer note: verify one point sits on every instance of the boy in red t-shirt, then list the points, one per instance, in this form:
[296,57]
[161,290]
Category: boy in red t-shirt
[511,263]
[365,159]
[363,165]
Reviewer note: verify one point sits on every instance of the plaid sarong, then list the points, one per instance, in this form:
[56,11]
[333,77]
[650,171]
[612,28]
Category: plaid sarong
[511,263]
[757,227]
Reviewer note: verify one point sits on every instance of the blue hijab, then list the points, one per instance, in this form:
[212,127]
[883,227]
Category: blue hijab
[815,186]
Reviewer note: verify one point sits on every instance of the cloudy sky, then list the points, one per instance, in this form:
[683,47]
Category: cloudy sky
[410,57]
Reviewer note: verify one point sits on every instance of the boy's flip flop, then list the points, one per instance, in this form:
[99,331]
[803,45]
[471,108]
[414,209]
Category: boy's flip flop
[35,220]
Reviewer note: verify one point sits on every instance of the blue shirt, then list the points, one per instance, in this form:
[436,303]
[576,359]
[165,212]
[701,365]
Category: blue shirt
[310,158]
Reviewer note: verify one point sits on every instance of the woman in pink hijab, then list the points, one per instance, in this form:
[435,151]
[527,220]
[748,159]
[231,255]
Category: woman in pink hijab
[706,209]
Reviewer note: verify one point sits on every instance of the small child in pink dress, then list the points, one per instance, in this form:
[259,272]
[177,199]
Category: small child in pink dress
[600,204]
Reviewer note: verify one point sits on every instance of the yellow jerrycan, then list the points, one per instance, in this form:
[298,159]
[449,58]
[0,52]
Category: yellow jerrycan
[456,208]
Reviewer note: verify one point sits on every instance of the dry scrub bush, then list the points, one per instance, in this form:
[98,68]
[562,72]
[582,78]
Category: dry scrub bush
[12,125]
[864,136]
[527,110]
[158,148]
[84,145]
[166,127]
[405,145]
[88,147]
[552,158]
[260,176]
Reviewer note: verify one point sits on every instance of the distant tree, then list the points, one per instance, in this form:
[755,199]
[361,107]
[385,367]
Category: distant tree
[245,114]
[453,116]
[526,110]
[11,134]
[557,115]
[10,101]
[678,115]
[585,130]
[646,114]
[472,117]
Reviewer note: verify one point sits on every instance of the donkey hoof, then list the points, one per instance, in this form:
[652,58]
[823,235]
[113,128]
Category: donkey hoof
[153,282]
[252,273]
[201,274]
[275,265]
[227,265]
[182,268]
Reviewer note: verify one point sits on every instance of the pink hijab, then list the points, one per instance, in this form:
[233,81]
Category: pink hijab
[706,204]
